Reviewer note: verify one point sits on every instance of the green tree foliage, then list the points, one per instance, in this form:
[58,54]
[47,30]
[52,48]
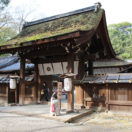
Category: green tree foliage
[6,34]
[121,39]
[3,4]
[6,30]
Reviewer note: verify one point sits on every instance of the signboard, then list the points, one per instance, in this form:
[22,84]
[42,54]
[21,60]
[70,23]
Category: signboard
[48,69]
[56,68]
[59,90]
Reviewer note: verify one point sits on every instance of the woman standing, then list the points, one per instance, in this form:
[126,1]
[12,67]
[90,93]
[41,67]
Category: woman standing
[54,107]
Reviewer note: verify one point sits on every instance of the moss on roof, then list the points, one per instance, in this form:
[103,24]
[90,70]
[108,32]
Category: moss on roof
[79,22]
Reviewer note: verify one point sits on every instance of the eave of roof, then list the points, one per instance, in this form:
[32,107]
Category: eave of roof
[108,79]
[110,63]
[16,67]
[7,61]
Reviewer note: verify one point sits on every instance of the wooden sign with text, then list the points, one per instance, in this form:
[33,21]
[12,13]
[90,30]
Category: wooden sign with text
[59,90]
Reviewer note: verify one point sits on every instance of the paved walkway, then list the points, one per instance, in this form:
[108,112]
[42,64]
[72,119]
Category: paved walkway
[42,111]
[36,118]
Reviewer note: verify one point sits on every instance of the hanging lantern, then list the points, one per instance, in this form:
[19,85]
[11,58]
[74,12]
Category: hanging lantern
[13,83]
[68,84]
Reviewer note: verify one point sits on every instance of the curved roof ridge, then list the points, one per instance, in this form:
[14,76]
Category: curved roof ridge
[86,9]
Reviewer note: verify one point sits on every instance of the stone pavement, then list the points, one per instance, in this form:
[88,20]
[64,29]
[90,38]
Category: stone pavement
[42,111]
[36,118]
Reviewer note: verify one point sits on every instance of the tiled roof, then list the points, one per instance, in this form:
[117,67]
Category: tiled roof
[109,78]
[15,67]
[12,63]
[9,60]
[6,79]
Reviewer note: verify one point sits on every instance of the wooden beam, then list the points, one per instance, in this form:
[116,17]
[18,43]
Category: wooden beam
[50,59]
[58,38]
[84,38]
[123,103]
[45,52]
[29,44]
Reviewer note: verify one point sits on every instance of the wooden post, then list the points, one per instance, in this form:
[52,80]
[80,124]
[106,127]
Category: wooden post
[90,67]
[79,97]
[70,97]
[7,93]
[59,93]
[107,98]
[22,78]
[39,89]
[36,82]
[16,95]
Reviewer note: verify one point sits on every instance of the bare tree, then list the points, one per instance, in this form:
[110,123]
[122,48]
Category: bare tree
[3,15]
[19,18]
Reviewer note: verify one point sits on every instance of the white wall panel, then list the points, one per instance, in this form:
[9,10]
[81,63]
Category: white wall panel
[48,70]
[57,67]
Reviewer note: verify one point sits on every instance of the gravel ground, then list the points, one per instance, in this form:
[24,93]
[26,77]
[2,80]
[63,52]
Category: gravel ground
[97,122]
[109,122]
[17,123]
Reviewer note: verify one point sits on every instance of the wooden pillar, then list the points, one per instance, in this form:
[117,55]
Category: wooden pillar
[79,99]
[90,67]
[70,97]
[35,89]
[107,97]
[7,93]
[22,79]
[16,95]
[79,90]
[70,100]
[39,89]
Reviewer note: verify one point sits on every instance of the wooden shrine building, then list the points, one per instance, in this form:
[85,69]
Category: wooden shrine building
[67,41]
[10,66]
[112,91]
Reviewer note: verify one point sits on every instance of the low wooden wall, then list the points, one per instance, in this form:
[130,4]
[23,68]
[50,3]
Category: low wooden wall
[12,96]
[30,95]
[115,97]
[3,94]
[89,95]
[79,95]
[94,95]
[120,97]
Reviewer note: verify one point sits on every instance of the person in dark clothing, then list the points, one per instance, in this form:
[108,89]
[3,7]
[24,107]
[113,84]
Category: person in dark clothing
[44,93]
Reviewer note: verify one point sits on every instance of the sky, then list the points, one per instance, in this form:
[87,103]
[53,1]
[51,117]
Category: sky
[116,10]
